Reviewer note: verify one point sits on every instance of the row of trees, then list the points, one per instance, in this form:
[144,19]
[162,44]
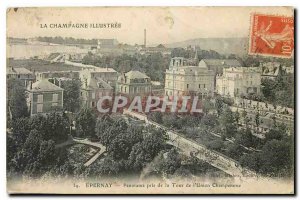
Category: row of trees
[226,123]
[67,40]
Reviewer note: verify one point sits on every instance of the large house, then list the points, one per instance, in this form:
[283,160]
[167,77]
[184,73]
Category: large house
[239,81]
[20,73]
[92,89]
[109,75]
[44,97]
[134,83]
[184,77]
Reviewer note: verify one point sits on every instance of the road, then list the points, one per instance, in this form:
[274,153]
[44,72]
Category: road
[192,148]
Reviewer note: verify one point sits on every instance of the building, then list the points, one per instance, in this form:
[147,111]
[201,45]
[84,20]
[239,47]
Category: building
[217,65]
[57,74]
[20,73]
[44,97]
[183,78]
[272,70]
[134,83]
[109,75]
[92,90]
[239,81]
[107,43]
[154,50]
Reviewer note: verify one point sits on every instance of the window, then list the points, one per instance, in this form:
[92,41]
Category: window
[55,97]
[93,95]
[40,98]
[39,108]
[187,86]
[199,86]
[93,104]
[203,85]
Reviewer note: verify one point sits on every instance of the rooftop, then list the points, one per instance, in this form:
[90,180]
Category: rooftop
[20,70]
[136,75]
[43,86]
[220,62]
[96,83]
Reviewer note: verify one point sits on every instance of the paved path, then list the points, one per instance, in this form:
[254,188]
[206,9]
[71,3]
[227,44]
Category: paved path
[95,157]
[72,140]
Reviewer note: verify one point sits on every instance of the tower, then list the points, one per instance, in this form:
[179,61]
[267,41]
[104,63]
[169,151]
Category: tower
[145,39]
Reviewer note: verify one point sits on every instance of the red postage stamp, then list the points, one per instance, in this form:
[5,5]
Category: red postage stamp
[271,35]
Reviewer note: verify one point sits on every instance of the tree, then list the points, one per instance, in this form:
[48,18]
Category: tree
[234,150]
[219,105]
[207,106]
[71,95]
[209,120]
[53,126]
[172,162]
[247,138]
[216,144]
[277,132]
[144,152]
[257,120]
[237,116]
[85,123]
[276,156]
[20,131]
[36,156]
[17,99]
[102,125]
[228,123]
[251,161]
[106,137]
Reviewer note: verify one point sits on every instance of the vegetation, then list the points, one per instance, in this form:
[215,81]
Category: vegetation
[31,144]
[277,91]
[71,95]
[17,106]
[272,155]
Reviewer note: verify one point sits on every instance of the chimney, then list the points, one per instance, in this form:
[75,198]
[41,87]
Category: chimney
[145,37]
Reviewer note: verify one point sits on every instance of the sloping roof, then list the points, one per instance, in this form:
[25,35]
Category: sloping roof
[18,70]
[220,62]
[96,83]
[136,75]
[160,46]
[44,85]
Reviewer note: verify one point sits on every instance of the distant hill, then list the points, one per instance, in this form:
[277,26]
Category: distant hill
[226,46]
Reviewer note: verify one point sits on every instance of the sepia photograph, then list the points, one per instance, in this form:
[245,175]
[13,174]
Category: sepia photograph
[150,100]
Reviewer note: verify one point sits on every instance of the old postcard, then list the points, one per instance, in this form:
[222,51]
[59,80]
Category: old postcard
[150,100]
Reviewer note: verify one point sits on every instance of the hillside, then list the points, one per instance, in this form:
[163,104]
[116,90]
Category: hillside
[237,46]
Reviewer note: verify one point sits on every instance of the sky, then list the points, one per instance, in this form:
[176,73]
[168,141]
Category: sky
[163,24]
